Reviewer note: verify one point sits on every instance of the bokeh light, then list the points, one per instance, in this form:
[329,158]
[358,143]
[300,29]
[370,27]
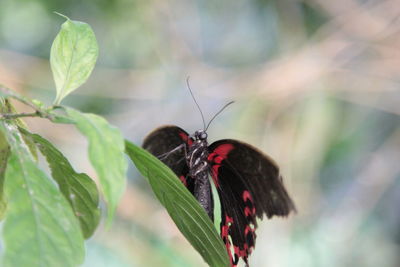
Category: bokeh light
[315,84]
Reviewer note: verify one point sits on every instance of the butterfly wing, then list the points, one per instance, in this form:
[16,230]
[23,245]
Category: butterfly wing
[168,143]
[248,185]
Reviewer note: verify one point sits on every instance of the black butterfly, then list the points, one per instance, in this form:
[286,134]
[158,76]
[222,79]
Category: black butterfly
[248,182]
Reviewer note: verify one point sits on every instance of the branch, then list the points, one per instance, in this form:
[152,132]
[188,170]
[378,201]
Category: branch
[8,116]
[8,92]
[39,111]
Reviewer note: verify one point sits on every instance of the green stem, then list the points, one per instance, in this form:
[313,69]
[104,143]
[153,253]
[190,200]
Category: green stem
[39,112]
[8,116]
[8,92]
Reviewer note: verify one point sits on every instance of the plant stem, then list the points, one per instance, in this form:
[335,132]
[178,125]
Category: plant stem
[8,92]
[19,115]
[39,112]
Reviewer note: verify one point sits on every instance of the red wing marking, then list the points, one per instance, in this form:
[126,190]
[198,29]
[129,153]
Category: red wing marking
[220,153]
[216,158]
[186,138]
[247,196]
[228,248]
[243,250]
[250,209]
[242,253]
[225,237]
[248,212]
[246,231]
[214,174]
[223,150]
[228,219]
[183,180]
[224,231]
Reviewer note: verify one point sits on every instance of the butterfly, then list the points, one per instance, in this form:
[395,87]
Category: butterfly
[248,182]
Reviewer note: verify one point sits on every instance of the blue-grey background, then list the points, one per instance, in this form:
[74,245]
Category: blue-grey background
[316,85]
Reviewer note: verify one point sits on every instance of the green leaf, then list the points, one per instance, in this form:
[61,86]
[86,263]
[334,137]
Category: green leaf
[7,107]
[78,188]
[184,209]
[40,228]
[106,153]
[56,118]
[73,56]
[4,154]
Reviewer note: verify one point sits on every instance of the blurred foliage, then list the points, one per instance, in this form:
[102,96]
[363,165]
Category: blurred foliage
[316,85]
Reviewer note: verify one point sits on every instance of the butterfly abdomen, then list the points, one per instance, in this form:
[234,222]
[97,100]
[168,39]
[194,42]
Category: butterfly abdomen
[199,171]
[203,193]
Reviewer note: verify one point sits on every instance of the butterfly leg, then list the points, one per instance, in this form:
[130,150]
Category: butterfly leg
[167,154]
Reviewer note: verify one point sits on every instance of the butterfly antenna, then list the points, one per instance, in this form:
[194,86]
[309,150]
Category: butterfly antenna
[219,113]
[197,104]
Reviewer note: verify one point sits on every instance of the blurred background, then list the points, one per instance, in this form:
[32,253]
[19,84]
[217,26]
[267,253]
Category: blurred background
[315,85]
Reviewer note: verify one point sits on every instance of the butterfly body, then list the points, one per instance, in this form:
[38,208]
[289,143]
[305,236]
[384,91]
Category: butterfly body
[197,154]
[247,181]
[197,161]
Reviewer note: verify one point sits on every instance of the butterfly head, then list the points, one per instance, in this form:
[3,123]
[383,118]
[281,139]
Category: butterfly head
[200,135]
